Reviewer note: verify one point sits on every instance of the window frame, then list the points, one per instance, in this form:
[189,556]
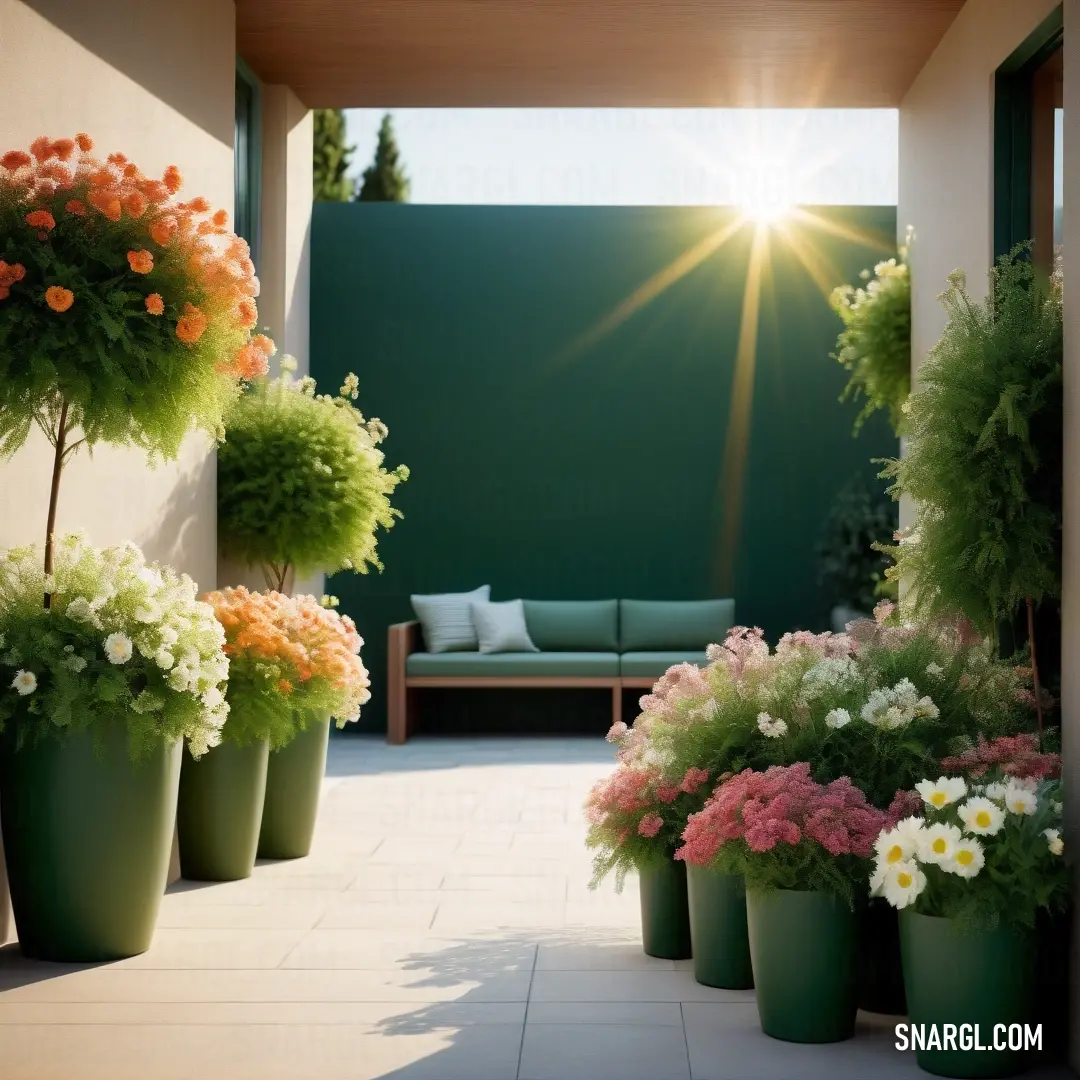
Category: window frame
[1013,124]
[247,174]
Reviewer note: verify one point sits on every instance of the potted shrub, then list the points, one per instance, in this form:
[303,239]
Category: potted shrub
[125,318]
[970,877]
[222,793]
[97,693]
[331,683]
[803,849]
[321,505]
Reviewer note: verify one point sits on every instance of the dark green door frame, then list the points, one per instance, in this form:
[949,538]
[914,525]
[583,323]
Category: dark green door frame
[1013,89]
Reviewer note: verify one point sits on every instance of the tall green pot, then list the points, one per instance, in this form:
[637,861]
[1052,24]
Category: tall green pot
[88,839]
[665,917]
[293,781]
[803,946]
[982,978]
[718,935]
[220,811]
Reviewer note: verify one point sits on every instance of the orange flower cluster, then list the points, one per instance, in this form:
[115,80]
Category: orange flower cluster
[304,647]
[9,274]
[59,180]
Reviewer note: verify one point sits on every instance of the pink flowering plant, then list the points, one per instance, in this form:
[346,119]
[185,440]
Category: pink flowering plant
[781,829]
[882,704]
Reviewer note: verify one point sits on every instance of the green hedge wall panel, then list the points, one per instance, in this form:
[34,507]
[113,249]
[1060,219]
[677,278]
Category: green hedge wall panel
[558,464]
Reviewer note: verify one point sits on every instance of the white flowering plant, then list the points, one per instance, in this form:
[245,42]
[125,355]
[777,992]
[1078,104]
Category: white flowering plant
[122,640]
[980,854]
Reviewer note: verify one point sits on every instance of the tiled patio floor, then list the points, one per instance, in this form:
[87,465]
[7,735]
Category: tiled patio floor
[442,929]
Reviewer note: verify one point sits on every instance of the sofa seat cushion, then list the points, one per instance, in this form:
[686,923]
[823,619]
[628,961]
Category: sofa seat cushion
[494,665]
[654,664]
[667,625]
[573,625]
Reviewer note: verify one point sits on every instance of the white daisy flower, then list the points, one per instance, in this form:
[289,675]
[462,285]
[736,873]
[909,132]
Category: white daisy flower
[981,816]
[939,843]
[893,846]
[25,682]
[1020,799]
[118,648]
[941,792]
[968,859]
[996,791]
[912,829]
[837,718]
[902,883]
[1054,841]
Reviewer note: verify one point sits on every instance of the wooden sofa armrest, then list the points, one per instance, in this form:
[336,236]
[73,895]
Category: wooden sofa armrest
[402,639]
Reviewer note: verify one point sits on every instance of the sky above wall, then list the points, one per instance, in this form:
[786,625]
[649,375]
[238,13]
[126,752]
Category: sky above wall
[844,157]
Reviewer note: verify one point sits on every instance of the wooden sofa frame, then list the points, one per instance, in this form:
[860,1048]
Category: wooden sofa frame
[405,638]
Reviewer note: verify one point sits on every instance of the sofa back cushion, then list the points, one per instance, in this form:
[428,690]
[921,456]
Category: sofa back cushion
[500,627]
[446,619]
[673,624]
[573,625]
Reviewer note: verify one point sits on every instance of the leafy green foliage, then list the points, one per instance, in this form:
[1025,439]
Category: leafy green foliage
[384,180]
[850,569]
[331,157]
[984,455]
[875,344]
[301,479]
[122,642]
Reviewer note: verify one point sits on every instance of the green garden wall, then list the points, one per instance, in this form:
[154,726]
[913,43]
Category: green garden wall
[554,472]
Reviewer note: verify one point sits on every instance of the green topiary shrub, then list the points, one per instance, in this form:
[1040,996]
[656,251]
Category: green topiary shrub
[875,344]
[301,481]
[984,457]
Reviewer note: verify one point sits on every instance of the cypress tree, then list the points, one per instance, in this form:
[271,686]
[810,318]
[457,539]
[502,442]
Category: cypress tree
[331,157]
[384,179]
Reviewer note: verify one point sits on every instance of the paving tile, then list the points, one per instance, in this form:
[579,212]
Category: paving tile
[603,1052]
[274,914]
[599,956]
[256,1052]
[360,949]
[667,1013]
[627,986]
[215,949]
[276,984]
[353,912]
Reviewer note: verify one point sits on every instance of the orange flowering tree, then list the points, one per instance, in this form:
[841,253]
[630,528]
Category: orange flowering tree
[290,660]
[126,315]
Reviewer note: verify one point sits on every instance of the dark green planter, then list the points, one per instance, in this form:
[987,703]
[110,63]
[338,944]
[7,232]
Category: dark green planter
[293,780]
[88,838]
[881,976]
[803,948]
[220,811]
[970,978]
[718,934]
[665,918]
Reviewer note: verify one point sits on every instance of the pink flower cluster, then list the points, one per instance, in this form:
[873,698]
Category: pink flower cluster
[1014,755]
[783,805]
[828,646]
[744,650]
[629,799]
[683,681]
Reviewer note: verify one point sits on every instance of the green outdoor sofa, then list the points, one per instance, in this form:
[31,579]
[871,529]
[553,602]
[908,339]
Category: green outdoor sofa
[614,644]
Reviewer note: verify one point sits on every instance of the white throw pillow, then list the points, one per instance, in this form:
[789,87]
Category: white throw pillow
[501,627]
[447,620]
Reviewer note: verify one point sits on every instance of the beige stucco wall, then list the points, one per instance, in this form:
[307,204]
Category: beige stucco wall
[946,193]
[946,187]
[154,80]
